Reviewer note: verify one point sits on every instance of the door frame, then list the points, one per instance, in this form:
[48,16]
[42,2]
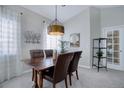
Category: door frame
[121,46]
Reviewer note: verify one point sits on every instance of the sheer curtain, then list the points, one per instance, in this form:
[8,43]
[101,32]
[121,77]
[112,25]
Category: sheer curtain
[10,64]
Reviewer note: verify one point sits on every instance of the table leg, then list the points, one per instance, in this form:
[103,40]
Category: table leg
[40,79]
[35,79]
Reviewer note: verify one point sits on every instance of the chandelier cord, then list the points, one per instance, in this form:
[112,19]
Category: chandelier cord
[55,28]
[56,14]
[56,11]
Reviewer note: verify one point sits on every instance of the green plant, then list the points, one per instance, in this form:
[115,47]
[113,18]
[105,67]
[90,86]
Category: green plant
[63,45]
[99,53]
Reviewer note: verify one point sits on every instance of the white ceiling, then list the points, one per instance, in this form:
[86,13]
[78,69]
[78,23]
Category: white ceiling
[63,13]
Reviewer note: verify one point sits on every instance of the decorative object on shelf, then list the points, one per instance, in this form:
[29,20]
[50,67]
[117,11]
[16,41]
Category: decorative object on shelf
[64,45]
[32,37]
[75,40]
[99,48]
[99,53]
[56,28]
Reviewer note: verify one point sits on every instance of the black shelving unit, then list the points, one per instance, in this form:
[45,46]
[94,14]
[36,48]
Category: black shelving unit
[99,48]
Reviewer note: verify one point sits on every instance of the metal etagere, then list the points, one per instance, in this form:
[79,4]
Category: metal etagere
[99,46]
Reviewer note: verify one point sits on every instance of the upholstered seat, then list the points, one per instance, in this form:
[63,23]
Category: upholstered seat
[59,72]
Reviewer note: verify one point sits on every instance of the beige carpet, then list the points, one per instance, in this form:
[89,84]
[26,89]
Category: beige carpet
[88,78]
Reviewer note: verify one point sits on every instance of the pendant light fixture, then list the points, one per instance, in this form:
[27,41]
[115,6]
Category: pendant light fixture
[55,28]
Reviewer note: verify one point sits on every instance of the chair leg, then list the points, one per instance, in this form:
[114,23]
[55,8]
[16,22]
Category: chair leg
[66,82]
[32,74]
[70,79]
[54,85]
[77,75]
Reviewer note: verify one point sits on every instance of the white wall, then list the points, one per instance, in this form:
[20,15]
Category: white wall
[112,16]
[87,23]
[95,27]
[95,22]
[80,24]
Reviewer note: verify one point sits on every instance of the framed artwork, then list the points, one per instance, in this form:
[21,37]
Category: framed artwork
[75,40]
[32,37]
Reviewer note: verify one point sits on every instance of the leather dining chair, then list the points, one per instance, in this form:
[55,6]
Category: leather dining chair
[48,53]
[58,73]
[74,65]
[36,53]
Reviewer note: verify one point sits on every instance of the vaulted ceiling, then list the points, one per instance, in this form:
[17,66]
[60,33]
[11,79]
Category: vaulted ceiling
[64,12]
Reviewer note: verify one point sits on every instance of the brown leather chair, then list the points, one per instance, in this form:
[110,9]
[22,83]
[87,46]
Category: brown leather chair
[74,65]
[36,53]
[59,72]
[49,53]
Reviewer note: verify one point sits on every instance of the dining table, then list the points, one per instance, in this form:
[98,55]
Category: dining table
[38,65]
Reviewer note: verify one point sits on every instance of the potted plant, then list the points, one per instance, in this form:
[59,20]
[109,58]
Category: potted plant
[63,45]
[99,53]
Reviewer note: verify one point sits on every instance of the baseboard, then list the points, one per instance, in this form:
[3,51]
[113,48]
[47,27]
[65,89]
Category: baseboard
[119,69]
[83,66]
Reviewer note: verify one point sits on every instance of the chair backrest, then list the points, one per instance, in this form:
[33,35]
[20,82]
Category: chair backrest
[74,62]
[61,67]
[49,53]
[36,53]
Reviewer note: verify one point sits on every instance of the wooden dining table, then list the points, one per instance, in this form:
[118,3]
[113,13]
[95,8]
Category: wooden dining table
[38,65]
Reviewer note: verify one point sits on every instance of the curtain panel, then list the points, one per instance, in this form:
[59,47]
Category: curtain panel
[10,65]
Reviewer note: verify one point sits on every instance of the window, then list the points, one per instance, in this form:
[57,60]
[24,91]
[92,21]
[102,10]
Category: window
[8,36]
[10,43]
[53,42]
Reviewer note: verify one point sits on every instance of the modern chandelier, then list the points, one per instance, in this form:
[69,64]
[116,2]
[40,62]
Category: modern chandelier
[55,28]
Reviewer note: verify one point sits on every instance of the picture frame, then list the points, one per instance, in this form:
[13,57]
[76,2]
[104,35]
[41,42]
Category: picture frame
[32,37]
[75,40]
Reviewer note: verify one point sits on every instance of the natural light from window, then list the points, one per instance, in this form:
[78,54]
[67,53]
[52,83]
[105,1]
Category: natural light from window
[53,42]
[8,38]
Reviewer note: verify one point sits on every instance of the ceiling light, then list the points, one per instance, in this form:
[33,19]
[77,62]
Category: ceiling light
[55,28]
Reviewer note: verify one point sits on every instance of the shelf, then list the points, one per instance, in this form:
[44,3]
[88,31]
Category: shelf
[99,66]
[97,57]
[112,58]
[116,51]
[115,44]
[100,39]
[109,44]
[110,37]
[109,57]
[100,48]
[116,58]
[116,37]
